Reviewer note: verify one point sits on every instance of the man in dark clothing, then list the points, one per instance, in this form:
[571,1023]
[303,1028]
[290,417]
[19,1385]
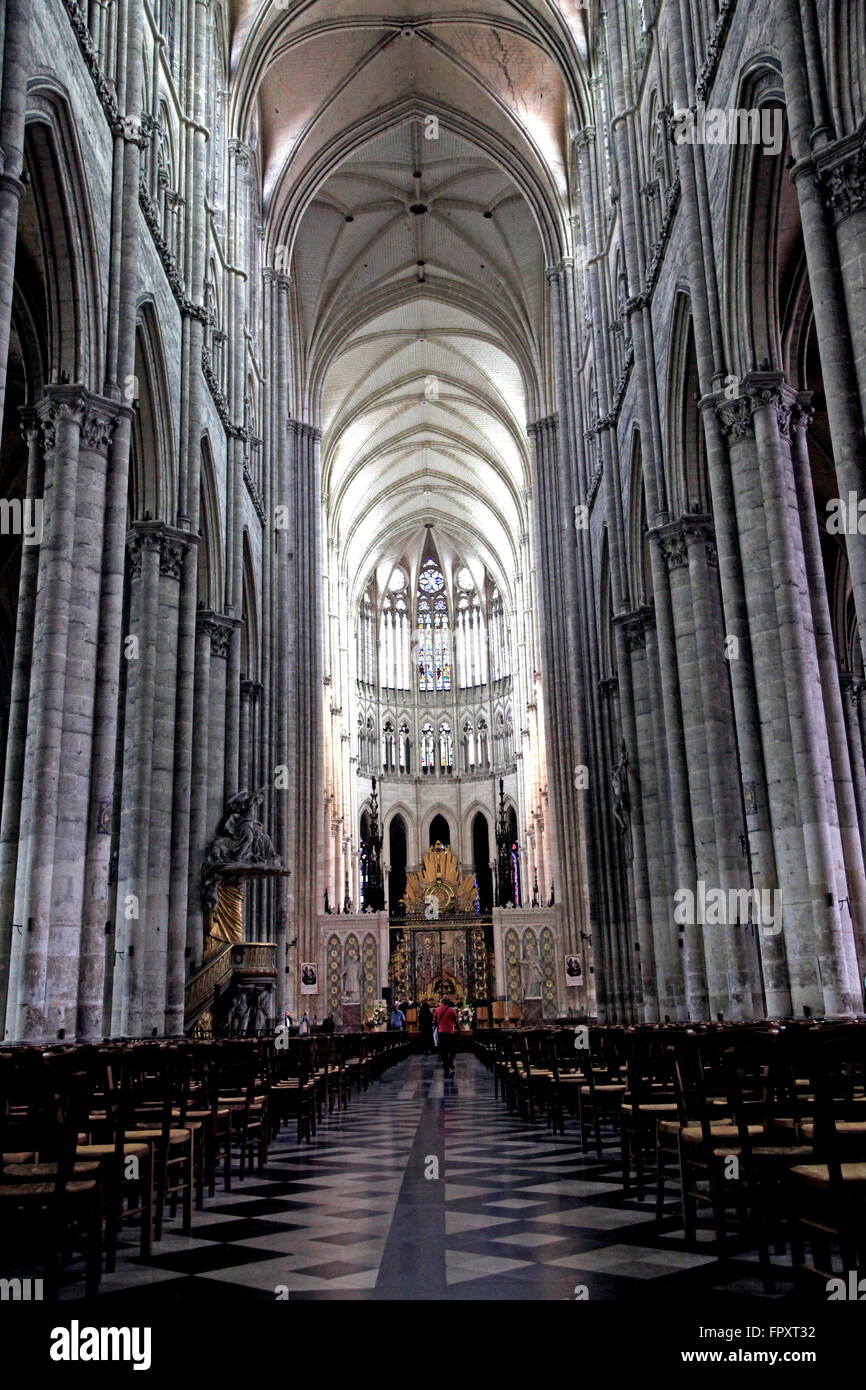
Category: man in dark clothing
[425,1027]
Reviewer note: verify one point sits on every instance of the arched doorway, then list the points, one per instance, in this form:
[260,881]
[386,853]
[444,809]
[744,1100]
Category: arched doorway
[481,861]
[363,858]
[440,831]
[397,873]
[514,855]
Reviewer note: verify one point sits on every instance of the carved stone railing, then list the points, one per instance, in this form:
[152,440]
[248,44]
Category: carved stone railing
[244,962]
[203,987]
[254,958]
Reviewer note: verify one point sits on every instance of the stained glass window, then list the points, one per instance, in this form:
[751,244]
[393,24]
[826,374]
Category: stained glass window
[434,644]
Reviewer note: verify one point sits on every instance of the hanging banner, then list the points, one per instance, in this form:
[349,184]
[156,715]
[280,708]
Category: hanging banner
[573,970]
[309,977]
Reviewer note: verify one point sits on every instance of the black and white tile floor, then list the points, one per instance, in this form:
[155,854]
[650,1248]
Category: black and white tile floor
[426,1188]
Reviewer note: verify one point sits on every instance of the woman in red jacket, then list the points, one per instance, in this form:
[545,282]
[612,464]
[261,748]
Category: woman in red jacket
[445,1022]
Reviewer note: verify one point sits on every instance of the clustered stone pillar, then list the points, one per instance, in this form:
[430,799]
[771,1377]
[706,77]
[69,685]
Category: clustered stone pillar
[70,607]
[304,681]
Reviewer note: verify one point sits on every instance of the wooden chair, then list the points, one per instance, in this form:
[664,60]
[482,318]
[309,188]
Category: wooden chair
[126,1163]
[157,1074]
[827,1198]
[602,1089]
[650,1097]
[55,1201]
[241,1091]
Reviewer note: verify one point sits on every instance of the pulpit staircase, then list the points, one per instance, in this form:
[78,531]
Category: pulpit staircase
[245,962]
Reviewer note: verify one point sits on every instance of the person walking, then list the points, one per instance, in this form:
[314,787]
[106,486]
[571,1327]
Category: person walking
[445,1022]
[425,1028]
[398,1019]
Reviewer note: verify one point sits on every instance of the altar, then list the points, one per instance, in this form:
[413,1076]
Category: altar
[443,947]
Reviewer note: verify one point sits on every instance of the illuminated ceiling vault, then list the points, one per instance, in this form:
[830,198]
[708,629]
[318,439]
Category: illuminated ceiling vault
[416,185]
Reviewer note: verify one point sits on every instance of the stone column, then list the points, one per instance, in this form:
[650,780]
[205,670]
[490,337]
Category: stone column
[164,948]
[842,186]
[185,926]
[729,947]
[245,751]
[307,884]
[132,929]
[841,764]
[239,201]
[43,991]
[822,966]
[181,567]
[662,848]
[222,629]
[639,738]
[201,830]
[841,190]
[17,64]
[18,708]
[668,555]
[852,691]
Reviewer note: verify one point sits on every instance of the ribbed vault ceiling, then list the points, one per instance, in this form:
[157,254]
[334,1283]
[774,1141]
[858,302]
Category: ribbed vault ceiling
[422,344]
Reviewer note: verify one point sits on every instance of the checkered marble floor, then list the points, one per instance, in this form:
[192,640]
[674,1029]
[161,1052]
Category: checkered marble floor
[425,1188]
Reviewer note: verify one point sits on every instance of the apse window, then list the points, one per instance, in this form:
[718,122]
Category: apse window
[434,638]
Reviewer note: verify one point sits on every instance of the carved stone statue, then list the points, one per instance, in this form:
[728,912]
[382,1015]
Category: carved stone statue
[240,837]
[263,1009]
[240,849]
[619,789]
[351,981]
[531,976]
[240,1013]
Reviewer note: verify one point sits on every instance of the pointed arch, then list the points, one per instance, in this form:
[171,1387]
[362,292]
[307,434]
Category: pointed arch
[758,189]
[607,646]
[210,562]
[250,632]
[639,564]
[68,242]
[688,483]
[152,466]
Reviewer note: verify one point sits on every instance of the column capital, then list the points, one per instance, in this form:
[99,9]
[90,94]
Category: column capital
[547,425]
[803,412]
[138,544]
[699,530]
[304,431]
[768,390]
[242,152]
[636,625]
[95,416]
[251,690]
[841,176]
[276,277]
[28,425]
[556,271]
[852,686]
[759,390]
[171,544]
[219,628]
[671,540]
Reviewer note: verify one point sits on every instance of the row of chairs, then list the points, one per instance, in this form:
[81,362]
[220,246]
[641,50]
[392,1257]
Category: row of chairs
[96,1138]
[764,1128]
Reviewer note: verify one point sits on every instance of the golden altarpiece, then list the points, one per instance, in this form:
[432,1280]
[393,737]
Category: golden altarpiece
[443,946]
